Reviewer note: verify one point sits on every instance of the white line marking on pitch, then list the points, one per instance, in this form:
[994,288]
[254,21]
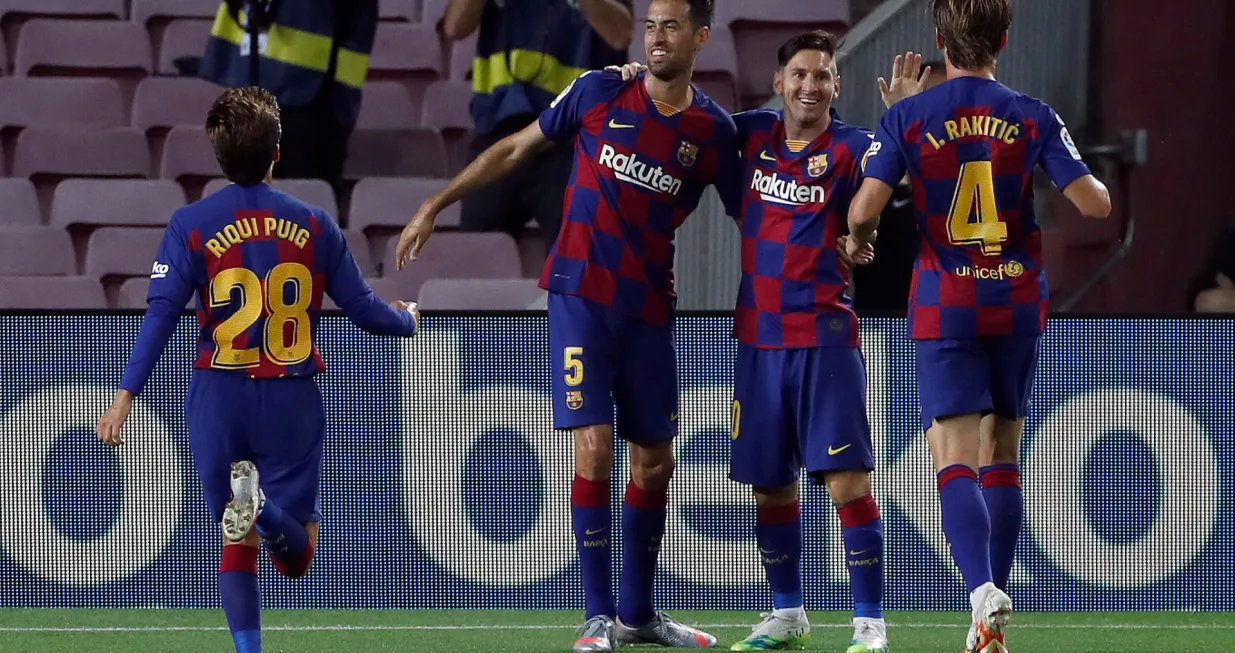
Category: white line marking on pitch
[169,629]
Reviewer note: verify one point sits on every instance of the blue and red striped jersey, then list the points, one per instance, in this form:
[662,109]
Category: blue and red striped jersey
[259,261]
[640,170]
[794,206]
[970,146]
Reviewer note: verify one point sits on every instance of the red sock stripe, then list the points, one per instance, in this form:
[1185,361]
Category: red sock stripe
[1001,478]
[954,472]
[774,515]
[239,557]
[295,568]
[641,499]
[858,512]
[589,494]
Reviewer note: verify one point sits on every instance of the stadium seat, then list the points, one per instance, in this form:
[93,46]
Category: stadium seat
[133,293]
[418,152]
[165,102]
[181,38]
[148,11]
[35,250]
[447,110]
[83,47]
[75,8]
[51,292]
[311,191]
[760,28]
[115,202]
[188,158]
[408,53]
[398,10]
[391,202]
[479,294]
[387,105]
[455,255]
[716,70]
[46,101]
[358,245]
[73,151]
[432,11]
[123,252]
[462,56]
[19,205]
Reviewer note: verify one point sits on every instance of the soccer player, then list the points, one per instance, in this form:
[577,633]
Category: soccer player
[980,296]
[259,261]
[644,153]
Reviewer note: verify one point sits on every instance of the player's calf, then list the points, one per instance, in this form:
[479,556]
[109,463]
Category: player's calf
[240,595]
[862,534]
[778,533]
[1000,478]
[643,526]
[592,523]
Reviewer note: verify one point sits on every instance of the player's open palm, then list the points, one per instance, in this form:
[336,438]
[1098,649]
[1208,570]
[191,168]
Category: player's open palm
[110,424]
[415,235]
[908,79]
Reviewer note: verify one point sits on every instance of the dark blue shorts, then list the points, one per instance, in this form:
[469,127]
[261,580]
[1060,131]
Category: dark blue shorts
[604,360]
[976,375]
[278,424]
[795,408]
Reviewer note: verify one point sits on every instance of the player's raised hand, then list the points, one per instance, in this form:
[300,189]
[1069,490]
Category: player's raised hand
[108,429]
[629,71]
[415,234]
[908,79]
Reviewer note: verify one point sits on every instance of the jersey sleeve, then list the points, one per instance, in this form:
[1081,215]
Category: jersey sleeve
[729,171]
[171,287]
[345,284]
[561,121]
[1059,157]
[883,159]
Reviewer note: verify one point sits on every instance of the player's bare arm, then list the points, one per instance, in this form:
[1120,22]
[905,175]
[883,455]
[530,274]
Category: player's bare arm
[612,20]
[864,215]
[462,17]
[1089,196]
[494,163]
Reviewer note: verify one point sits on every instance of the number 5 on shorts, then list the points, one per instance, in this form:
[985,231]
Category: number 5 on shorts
[574,366]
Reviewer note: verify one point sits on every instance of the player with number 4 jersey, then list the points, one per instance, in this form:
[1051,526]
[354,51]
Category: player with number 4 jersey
[259,262]
[979,294]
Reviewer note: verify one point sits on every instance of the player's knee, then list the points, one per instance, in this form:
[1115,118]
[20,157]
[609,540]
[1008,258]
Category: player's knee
[772,497]
[295,568]
[1003,445]
[652,467]
[848,485]
[594,452]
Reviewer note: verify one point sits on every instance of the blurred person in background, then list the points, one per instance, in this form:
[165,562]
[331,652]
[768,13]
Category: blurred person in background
[527,52]
[313,55]
[1212,289]
[883,285]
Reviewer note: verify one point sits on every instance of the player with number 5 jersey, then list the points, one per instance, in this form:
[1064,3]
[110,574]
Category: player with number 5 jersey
[259,262]
[979,294]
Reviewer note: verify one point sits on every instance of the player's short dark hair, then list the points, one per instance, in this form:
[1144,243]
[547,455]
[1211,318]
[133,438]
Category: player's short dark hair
[816,40]
[701,12]
[243,126]
[936,65]
[972,30]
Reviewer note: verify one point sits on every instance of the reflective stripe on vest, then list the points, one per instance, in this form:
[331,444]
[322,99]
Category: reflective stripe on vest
[297,48]
[530,67]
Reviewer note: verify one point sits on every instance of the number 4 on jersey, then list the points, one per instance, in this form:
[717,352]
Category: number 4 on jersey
[975,196]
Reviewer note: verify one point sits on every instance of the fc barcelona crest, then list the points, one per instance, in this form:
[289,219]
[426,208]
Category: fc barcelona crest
[817,165]
[574,399]
[688,153]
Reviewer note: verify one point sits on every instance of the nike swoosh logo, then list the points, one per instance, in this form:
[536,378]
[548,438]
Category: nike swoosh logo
[833,452]
[858,553]
[594,532]
[766,157]
[613,124]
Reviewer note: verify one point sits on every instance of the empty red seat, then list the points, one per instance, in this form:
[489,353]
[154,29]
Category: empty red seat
[115,202]
[51,293]
[90,102]
[311,191]
[19,204]
[479,294]
[34,250]
[391,202]
[133,293]
[419,152]
[760,28]
[456,255]
[81,152]
[387,105]
[358,245]
[122,251]
[166,102]
[75,8]
[147,11]
[188,153]
[716,70]
[82,47]
[462,56]
[181,38]
[408,53]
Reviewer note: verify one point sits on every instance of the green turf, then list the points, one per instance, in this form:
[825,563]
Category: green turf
[103,631]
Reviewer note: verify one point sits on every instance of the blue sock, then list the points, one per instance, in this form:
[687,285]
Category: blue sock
[778,533]
[593,526]
[643,526]
[286,540]
[241,597]
[863,535]
[1001,488]
[966,524]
